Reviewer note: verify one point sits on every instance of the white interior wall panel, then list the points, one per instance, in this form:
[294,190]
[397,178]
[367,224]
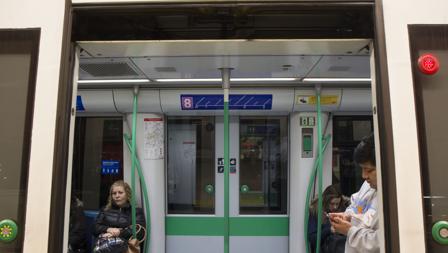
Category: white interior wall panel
[356,100]
[153,171]
[284,100]
[148,100]
[300,172]
[96,100]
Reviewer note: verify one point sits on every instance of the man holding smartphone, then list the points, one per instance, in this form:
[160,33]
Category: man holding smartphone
[360,222]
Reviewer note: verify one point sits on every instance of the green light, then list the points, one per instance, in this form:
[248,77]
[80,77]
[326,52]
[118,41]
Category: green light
[209,188]
[245,189]
[8,230]
[440,232]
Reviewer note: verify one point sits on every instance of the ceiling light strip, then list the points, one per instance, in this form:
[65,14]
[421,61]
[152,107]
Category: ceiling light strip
[334,80]
[116,81]
[271,79]
[177,80]
[274,79]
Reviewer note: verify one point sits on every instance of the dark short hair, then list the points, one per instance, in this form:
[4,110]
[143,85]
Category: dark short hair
[365,151]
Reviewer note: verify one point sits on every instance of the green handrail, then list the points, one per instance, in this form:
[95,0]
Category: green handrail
[136,163]
[134,130]
[226,177]
[308,193]
[319,170]
[226,87]
[145,195]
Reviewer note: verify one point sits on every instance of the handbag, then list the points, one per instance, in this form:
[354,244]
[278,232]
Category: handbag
[110,245]
[134,243]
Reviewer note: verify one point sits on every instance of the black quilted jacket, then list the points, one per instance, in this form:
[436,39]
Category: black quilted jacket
[117,217]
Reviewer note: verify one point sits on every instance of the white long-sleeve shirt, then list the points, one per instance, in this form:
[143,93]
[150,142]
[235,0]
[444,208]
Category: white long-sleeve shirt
[363,235]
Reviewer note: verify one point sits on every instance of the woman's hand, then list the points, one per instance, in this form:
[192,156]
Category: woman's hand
[106,235]
[114,231]
[342,216]
[340,225]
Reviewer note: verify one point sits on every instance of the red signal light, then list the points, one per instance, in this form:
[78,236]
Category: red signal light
[428,64]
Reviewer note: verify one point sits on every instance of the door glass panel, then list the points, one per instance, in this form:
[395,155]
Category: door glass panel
[263,165]
[431,93]
[97,163]
[191,171]
[348,131]
[97,159]
[18,57]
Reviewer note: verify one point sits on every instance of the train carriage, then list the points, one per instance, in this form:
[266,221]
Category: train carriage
[217,112]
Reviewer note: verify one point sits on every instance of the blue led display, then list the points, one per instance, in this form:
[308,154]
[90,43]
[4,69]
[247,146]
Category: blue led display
[110,167]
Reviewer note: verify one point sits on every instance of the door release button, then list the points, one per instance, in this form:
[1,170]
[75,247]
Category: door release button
[8,230]
[440,232]
[245,189]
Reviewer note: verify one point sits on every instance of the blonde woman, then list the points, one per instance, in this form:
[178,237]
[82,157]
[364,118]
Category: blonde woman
[114,219]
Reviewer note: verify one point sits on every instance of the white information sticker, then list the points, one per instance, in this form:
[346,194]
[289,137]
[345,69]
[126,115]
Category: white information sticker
[153,143]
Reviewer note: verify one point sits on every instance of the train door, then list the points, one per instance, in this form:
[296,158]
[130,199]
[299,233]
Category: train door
[194,219]
[257,188]
[259,184]
[18,58]
[429,54]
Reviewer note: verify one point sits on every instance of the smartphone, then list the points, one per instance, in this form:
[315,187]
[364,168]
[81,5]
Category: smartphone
[330,218]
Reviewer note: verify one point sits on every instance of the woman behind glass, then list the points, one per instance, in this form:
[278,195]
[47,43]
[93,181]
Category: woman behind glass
[333,201]
[114,220]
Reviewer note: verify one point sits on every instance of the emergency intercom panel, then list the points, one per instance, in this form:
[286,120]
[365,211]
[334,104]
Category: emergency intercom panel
[307,142]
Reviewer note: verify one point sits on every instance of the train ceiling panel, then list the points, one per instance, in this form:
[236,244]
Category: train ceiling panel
[108,68]
[224,47]
[342,67]
[203,59]
[242,66]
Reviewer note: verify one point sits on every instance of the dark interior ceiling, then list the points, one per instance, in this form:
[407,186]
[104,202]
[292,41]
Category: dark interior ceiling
[224,21]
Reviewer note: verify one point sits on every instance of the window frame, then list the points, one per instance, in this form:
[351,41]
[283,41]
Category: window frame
[24,41]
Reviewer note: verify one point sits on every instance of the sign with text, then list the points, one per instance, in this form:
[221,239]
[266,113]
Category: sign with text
[216,102]
[109,167]
[307,121]
[312,100]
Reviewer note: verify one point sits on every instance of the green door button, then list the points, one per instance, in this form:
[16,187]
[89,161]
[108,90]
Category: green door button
[245,189]
[8,230]
[440,232]
[209,188]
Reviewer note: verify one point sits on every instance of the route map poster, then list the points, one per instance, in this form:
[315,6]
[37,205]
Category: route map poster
[153,138]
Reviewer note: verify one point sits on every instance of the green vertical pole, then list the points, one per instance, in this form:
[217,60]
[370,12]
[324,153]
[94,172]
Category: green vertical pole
[127,139]
[319,166]
[226,176]
[326,140]
[134,132]
[226,86]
